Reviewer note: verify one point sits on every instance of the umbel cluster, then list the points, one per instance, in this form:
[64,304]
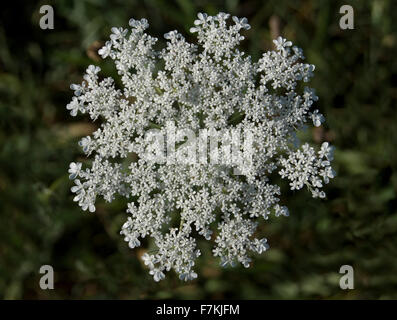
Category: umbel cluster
[209,85]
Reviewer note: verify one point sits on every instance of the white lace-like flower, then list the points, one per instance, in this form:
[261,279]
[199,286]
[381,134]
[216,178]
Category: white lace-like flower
[209,85]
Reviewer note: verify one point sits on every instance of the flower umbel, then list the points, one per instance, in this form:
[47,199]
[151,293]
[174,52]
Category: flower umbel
[209,85]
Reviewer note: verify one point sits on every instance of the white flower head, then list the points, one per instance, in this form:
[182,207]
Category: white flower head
[210,89]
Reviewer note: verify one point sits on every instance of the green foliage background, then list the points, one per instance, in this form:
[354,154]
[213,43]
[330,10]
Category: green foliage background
[356,80]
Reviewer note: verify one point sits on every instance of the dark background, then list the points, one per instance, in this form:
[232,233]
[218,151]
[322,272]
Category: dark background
[355,78]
